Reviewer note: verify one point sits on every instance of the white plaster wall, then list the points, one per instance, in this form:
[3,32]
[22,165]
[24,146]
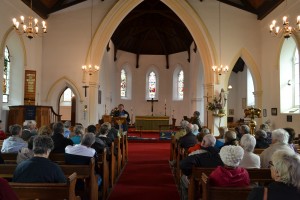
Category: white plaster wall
[65,46]
[270,48]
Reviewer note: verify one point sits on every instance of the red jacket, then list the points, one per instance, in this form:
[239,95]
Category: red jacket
[194,148]
[229,177]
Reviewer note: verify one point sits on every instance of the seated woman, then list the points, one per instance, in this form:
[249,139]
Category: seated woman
[230,138]
[285,170]
[220,139]
[261,139]
[78,132]
[230,175]
[250,160]
[26,152]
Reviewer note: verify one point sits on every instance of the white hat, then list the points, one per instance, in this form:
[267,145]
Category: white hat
[231,155]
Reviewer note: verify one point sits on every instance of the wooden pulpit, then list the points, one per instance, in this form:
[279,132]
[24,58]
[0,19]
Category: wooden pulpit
[43,115]
[107,118]
[119,120]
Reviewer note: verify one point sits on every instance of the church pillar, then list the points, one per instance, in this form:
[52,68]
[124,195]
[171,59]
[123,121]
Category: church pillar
[209,120]
[93,89]
[258,103]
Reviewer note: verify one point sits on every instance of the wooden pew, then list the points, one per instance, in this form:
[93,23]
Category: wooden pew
[222,193]
[261,176]
[104,171]
[172,147]
[9,157]
[119,155]
[86,172]
[47,191]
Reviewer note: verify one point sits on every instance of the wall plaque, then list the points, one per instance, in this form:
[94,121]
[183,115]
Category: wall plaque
[30,87]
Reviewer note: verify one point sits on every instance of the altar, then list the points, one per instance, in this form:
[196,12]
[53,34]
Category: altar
[152,122]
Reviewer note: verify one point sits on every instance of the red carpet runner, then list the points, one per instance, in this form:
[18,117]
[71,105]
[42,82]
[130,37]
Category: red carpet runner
[147,174]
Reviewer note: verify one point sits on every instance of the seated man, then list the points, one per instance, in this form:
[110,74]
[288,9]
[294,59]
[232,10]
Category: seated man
[83,149]
[189,139]
[39,169]
[14,143]
[230,175]
[200,136]
[209,157]
[261,139]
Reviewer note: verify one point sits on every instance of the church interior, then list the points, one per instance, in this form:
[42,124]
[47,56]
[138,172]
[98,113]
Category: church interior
[161,59]
[164,37]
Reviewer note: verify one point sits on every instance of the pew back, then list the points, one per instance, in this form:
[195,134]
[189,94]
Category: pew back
[45,191]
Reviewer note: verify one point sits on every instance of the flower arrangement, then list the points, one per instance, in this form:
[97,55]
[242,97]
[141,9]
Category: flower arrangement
[214,105]
[113,111]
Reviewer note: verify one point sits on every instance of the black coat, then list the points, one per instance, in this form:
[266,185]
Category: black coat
[60,143]
[276,191]
[188,140]
[209,159]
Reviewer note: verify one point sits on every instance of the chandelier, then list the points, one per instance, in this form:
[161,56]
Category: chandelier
[286,30]
[90,69]
[29,27]
[222,68]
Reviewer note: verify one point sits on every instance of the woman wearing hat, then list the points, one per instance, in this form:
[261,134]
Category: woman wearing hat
[230,174]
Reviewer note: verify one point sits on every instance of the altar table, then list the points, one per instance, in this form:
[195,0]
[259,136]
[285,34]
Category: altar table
[151,122]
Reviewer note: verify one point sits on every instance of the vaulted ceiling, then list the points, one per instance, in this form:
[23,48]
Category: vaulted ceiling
[152,27]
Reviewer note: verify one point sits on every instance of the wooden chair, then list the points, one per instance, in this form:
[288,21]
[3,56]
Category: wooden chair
[47,191]
[222,193]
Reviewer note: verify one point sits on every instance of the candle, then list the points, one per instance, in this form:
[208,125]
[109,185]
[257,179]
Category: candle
[165,101]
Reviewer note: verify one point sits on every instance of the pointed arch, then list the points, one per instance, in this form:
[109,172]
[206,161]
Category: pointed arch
[253,67]
[183,10]
[58,88]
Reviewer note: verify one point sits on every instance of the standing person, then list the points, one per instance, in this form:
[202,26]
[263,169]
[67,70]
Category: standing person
[196,120]
[39,169]
[122,113]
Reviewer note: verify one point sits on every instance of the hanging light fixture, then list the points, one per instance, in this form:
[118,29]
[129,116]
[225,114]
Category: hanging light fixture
[222,68]
[286,30]
[29,27]
[90,69]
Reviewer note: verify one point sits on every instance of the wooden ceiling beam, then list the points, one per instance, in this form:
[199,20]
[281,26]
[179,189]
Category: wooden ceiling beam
[267,8]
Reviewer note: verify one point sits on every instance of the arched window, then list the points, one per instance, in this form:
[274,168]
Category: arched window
[180,84]
[152,84]
[123,87]
[67,95]
[6,75]
[296,79]
[289,77]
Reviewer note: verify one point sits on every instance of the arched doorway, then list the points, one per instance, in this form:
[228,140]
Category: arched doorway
[67,106]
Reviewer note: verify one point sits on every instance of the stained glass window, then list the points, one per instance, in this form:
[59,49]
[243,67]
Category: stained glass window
[6,76]
[152,85]
[123,83]
[180,84]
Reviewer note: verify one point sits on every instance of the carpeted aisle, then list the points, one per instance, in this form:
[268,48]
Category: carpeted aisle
[147,174]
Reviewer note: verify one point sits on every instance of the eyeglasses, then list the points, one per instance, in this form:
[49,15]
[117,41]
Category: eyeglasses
[271,164]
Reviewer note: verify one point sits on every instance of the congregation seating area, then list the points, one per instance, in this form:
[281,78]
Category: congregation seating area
[109,169]
[199,184]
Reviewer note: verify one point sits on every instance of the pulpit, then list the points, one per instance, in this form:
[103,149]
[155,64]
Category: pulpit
[43,115]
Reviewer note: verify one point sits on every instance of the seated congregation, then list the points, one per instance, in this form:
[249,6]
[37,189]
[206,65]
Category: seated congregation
[236,164]
[73,161]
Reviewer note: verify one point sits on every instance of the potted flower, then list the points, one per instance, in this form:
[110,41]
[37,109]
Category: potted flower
[215,106]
